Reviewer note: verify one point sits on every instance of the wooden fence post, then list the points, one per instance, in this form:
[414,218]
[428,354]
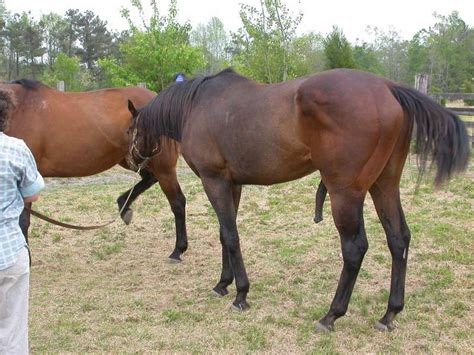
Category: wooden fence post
[60,85]
[421,83]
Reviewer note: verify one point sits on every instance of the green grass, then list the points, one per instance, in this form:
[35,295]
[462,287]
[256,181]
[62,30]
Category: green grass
[114,291]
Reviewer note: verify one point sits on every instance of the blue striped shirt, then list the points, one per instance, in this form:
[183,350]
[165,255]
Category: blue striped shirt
[19,178]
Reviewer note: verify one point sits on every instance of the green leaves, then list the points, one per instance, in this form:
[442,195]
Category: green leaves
[450,44]
[213,41]
[262,47]
[155,52]
[67,69]
[338,50]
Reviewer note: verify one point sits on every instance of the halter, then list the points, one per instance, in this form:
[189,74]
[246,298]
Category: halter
[133,150]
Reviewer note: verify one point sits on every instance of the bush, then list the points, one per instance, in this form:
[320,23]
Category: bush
[468,89]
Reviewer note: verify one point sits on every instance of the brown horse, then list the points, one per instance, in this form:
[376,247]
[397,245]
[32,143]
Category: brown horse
[352,126]
[80,134]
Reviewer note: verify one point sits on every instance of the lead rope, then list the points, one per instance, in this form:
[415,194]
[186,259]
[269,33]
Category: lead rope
[72,226]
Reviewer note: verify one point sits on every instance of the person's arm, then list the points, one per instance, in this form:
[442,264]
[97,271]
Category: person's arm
[30,199]
[32,181]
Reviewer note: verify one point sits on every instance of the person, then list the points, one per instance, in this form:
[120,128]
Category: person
[20,182]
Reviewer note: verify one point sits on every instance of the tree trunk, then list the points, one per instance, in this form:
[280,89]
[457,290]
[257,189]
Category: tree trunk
[17,65]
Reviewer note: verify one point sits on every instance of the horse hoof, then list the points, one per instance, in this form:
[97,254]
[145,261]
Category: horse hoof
[127,216]
[240,307]
[174,260]
[175,256]
[219,292]
[321,328]
[317,219]
[384,328]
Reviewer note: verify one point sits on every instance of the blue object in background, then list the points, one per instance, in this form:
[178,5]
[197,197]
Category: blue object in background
[180,77]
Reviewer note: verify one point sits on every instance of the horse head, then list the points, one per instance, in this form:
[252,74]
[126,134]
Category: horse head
[140,152]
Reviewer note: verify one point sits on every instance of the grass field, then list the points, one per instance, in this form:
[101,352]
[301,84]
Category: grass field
[114,291]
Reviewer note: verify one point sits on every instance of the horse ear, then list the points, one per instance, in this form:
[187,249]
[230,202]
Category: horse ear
[132,109]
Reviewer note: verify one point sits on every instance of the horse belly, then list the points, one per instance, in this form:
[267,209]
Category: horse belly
[71,164]
[268,169]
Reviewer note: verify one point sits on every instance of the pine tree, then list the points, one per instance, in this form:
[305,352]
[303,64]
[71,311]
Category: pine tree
[338,50]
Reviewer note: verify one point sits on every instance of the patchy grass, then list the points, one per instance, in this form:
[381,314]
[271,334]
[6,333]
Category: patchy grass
[113,290]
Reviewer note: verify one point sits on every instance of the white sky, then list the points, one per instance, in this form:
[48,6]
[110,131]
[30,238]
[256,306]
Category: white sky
[405,16]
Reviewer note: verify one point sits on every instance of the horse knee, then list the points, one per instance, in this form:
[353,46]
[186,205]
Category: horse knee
[179,206]
[353,253]
[233,246]
[231,242]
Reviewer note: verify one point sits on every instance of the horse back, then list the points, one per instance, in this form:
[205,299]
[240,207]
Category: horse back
[74,134]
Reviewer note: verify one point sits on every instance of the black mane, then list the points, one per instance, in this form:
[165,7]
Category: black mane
[166,114]
[28,83]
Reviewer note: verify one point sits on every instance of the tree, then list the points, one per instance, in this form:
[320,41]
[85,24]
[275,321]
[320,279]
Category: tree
[3,42]
[262,47]
[94,38]
[338,50]
[366,58]
[213,41]
[155,52]
[33,40]
[3,14]
[417,56]
[71,33]
[392,52]
[67,69]
[451,52]
[54,27]
[24,45]
[307,54]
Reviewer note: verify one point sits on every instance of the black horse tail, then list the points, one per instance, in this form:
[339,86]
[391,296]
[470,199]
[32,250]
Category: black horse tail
[441,135]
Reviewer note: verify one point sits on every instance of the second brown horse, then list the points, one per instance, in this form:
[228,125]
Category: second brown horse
[81,134]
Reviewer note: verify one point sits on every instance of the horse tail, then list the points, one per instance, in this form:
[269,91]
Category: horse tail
[441,136]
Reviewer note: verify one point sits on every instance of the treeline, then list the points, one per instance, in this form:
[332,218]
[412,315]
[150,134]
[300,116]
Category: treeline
[79,49]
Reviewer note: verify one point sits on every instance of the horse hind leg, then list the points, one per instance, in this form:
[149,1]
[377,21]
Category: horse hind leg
[126,199]
[347,209]
[385,193]
[386,196]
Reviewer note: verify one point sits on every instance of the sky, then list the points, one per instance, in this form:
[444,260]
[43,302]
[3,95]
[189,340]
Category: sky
[405,16]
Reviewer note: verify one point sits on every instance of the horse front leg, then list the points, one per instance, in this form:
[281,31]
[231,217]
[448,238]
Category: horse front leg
[221,193]
[126,199]
[347,212]
[172,190]
[227,275]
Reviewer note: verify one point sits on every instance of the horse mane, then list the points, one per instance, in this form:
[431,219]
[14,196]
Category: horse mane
[28,83]
[166,114]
